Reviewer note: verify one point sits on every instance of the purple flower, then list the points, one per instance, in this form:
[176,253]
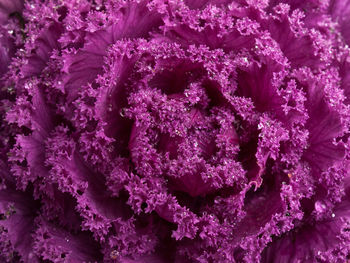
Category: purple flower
[174,131]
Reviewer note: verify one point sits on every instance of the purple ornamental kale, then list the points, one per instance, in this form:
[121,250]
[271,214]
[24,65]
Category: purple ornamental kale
[175,131]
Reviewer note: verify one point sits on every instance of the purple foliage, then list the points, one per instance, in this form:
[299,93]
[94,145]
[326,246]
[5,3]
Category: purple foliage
[174,131]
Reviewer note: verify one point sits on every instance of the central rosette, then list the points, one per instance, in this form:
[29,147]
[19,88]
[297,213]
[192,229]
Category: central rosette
[187,137]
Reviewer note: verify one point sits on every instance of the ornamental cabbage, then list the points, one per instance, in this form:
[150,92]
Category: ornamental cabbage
[174,131]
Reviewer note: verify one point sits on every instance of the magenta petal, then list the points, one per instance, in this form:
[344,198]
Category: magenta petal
[6,51]
[18,211]
[53,243]
[256,83]
[135,21]
[319,241]
[340,10]
[45,44]
[324,126]
[8,7]
[297,44]
[83,67]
